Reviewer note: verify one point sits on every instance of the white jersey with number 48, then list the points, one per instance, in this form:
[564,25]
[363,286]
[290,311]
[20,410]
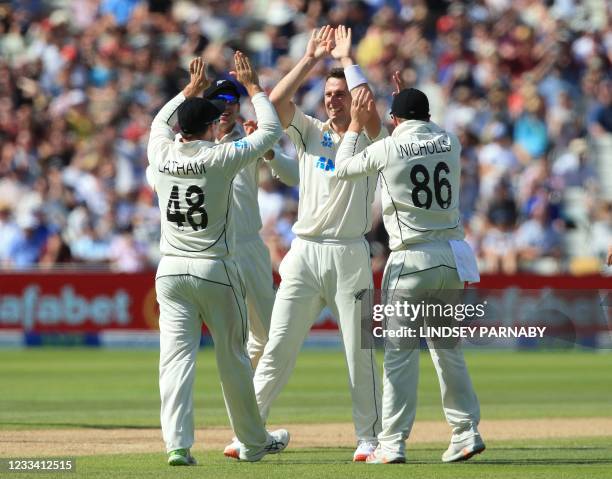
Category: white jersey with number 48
[194,179]
[420,171]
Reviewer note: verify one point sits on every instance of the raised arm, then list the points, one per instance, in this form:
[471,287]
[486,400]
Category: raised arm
[320,44]
[162,133]
[283,167]
[373,158]
[342,52]
[236,155]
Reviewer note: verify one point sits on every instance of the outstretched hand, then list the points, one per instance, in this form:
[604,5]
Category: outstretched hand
[342,38]
[362,107]
[245,73]
[198,81]
[321,43]
[398,82]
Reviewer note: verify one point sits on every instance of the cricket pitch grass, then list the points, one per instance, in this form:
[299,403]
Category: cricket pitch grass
[544,415]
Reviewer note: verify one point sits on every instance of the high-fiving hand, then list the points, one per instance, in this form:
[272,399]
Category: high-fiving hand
[321,43]
[249,126]
[198,81]
[245,73]
[362,106]
[398,82]
[342,39]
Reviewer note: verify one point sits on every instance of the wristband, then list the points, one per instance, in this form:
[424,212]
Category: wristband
[354,77]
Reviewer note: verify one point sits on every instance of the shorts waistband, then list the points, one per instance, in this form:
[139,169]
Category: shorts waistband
[331,241]
[247,238]
[424,245]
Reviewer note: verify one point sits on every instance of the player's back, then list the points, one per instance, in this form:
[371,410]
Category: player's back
[421,182]
[194,193]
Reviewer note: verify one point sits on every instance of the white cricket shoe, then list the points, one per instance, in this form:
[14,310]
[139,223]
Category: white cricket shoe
[232,449]
[277,442]
[364,449]
[381,457]
[463,446]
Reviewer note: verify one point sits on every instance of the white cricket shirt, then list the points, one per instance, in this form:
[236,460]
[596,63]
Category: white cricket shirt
[420,170]
[329,209]
[246,215]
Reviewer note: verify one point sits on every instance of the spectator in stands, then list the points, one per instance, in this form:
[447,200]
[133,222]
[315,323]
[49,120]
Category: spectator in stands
[600,116]
[496,158]
[574,167]
[9,235]
[601,233]
[526,85]
[538,242]
[499,244]
[127,255]
[26,248]
[55,252]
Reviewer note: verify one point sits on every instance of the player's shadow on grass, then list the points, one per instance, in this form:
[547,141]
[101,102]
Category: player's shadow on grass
[297,457]
[552,448]
[524,448]
[77,425]
[532,462]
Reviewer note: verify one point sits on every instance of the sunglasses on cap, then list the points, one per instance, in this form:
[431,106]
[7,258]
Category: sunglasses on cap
[227,98]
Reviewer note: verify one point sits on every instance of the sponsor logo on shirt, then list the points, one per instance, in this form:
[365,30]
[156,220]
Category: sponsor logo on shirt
[325,164]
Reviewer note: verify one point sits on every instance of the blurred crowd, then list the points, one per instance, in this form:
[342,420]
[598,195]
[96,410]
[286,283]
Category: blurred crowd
[526,85]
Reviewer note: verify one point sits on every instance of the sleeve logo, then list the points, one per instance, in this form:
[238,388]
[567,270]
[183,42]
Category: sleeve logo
[241,144]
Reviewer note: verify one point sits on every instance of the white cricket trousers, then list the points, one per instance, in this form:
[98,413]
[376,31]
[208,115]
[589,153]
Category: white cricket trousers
[253,259]
[423,266]
[314,275]
[209,291]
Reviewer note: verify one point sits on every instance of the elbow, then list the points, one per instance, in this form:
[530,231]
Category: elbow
[275,98]
[150,155]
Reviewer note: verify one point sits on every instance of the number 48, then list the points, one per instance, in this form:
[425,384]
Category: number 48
[173,210]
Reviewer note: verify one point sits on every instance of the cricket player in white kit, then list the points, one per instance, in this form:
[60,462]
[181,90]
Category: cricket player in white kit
[197,280]
[420,169]
[251,254]
[329,261]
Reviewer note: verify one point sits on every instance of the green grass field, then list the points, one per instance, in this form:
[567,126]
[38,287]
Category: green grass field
[558,459]
[54,388]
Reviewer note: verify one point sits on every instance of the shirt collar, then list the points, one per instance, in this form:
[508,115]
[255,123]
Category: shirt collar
[328,128]
[189,145]
[415,126]
[236,133]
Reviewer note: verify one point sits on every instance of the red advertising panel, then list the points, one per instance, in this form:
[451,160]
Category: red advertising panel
[77,302]
[83,302]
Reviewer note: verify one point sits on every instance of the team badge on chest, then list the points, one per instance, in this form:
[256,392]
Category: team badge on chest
[327,141]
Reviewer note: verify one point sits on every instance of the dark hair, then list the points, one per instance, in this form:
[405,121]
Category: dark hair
[410,104]
[336,73]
